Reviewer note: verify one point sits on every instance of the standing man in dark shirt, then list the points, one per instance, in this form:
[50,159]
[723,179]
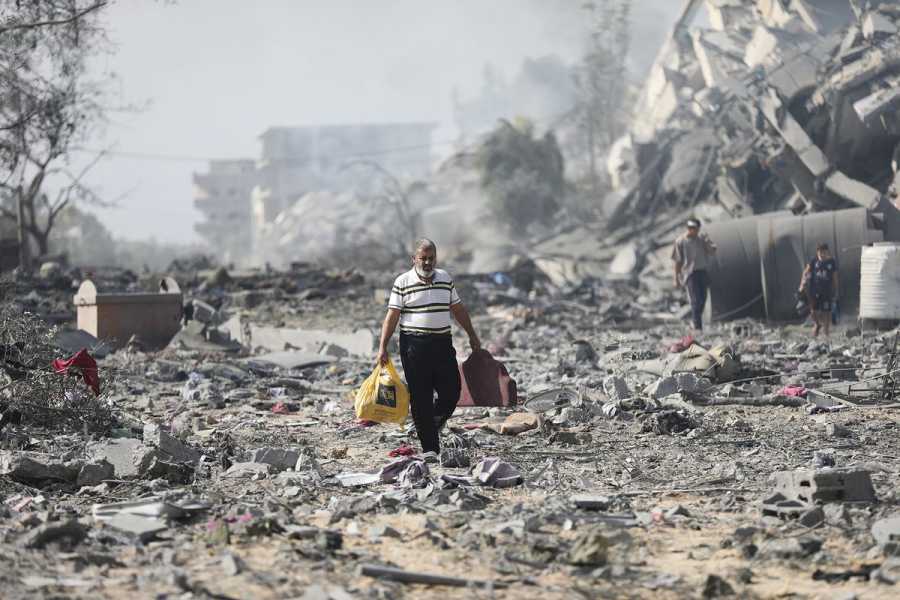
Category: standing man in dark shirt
[692,254]
[822,288]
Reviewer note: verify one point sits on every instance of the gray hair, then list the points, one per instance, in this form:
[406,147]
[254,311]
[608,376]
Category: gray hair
[424,244]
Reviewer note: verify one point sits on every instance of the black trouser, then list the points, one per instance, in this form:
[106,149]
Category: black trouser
[697,286]
[429,362]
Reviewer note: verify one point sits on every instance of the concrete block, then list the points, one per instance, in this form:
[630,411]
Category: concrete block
[32,467]
[170,446]
[137,526]
[833,485]
[616,388]
[875,25]
[278,458]
[129,457]
[887,534]
[662,387]
[203,312]
[852,190]
[93,474]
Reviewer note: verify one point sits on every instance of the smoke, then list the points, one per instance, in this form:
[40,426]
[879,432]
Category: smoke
[229,69]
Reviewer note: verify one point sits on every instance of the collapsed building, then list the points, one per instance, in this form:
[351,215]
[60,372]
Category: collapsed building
[782,109]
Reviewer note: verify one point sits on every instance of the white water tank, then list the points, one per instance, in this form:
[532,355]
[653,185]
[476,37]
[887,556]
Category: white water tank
[879,282]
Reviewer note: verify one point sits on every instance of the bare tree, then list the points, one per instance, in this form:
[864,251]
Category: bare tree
[601,78]
[395,196]
[47,105]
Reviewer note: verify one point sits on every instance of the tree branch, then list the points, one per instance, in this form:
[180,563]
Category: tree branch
[52,22]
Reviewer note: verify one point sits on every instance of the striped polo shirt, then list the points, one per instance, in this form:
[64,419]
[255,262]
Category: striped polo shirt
[424,307]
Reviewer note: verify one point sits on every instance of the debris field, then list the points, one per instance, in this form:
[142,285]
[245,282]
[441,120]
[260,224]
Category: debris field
[755,462]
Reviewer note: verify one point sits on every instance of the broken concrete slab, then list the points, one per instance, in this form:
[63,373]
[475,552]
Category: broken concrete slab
[887,535]
[32,467]
[280,459]
[591,501]
[70,531]
[292,359]
[140,528]
[590,548]
[172,448]
[92,474]
[616,388]
[129,457]
[876,25]
[790,548]
[852,190]
[360,342]
[247,470]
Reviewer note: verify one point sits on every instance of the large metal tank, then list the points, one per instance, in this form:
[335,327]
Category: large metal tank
[879,283]
[785,246]
[757,269]
[736,288]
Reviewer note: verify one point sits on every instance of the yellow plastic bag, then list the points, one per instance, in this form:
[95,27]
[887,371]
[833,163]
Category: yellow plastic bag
[383,396]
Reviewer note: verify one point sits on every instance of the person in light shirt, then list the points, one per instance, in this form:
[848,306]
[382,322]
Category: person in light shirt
[422,301]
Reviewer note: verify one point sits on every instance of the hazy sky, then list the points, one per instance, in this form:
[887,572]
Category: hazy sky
[213,74]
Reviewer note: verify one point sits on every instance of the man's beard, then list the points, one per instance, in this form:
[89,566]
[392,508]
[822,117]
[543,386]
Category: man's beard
[421,272]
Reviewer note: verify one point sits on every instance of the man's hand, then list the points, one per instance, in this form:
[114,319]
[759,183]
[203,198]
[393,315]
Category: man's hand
[474,343]
[677,282]
[382,358]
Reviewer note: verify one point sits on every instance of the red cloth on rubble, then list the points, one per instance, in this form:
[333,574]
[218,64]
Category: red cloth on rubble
[682,344]
[403,450]
[86,366]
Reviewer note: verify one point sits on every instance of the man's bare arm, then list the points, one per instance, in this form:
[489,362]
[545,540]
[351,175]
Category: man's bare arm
[387,330]
[461,315]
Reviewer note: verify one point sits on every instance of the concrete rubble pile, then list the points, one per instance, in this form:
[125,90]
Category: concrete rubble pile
[632,463]
[775,120]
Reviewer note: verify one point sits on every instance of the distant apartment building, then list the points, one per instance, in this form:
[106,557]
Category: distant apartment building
[241,199]
[223,196]
[295,161]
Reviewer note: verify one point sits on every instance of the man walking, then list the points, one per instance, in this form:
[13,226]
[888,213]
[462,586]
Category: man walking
[422,301]
[691,254]
[821,277]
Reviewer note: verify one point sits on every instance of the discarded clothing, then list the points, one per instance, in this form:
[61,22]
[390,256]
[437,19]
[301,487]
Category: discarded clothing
[682,344]
[403,450]
[794,391]
[391,471]
[415,475]
[85,365]
[493,472]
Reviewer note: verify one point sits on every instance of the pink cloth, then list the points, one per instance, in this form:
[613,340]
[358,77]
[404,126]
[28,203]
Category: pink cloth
[794,391]
[682,344]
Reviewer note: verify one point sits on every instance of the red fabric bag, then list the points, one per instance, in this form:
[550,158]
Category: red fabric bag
[485,382]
